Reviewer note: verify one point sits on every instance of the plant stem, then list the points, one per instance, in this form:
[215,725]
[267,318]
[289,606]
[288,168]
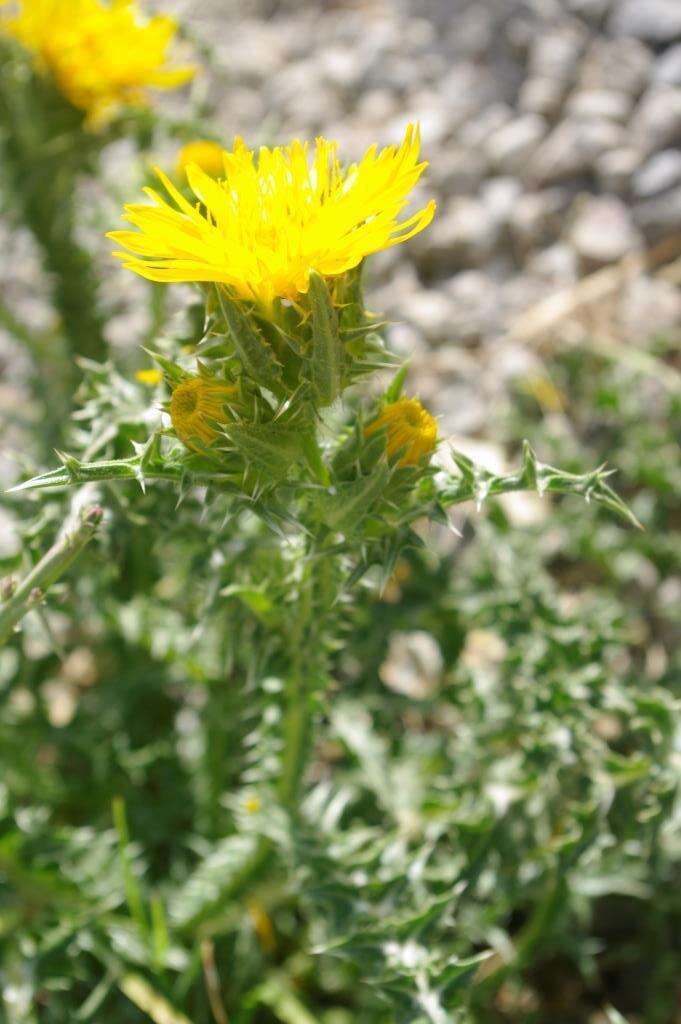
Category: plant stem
[46,152]
[30,592]
[299,705]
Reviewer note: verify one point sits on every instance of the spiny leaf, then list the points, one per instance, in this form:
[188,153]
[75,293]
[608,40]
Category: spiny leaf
[327,350]
[266,446]
[394,389]
[352,501]
[255,354]
[214,882]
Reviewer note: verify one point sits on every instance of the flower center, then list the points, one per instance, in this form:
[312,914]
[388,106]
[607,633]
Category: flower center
[186,401]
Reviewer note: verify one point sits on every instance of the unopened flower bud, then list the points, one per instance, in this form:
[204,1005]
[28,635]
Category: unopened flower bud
[410,429]
[196,407]
[205,154]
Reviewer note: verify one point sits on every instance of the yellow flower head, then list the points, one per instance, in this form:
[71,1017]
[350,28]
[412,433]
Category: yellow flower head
[101,55]
[205,154]
[276,216]
[409,428]
[196,405]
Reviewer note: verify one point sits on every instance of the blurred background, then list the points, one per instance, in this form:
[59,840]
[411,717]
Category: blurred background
[531,664]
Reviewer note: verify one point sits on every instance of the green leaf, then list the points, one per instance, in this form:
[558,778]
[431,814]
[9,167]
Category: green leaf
[214,882]
[394,389]
[269,448]
[255,599]
[346,509]
[314,458]
[456,973]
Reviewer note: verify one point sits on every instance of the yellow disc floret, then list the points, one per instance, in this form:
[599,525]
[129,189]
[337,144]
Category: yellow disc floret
[275,216]
[101,55]
[196,407]
[409,428]
[205,154]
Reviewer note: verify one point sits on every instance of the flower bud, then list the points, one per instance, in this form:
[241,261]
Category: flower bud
[410,430]
[206,154]
[197,406]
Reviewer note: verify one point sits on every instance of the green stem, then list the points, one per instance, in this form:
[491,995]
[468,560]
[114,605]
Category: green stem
[474,483]
[30,592]
[45,152]
[297,721]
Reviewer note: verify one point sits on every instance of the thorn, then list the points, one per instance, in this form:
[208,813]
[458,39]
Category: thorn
[71,464]
[481,492]
[529,466]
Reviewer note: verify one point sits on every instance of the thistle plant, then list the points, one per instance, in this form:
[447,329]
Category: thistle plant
[259,414]
[279,485]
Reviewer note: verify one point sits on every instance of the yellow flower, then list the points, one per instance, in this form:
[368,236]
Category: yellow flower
[205,154]
[409,428]
[275,217]
[100,55]
[196,406]
[149,377]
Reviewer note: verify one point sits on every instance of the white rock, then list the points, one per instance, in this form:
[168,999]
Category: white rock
[464,234]
[662,171]
[593,11]
[556,264]
[614,169]
[555,54]
[624,63]
[510,147]
[603,230]
[483,650]
[414,664]
[341,66]
[656,21]
[458,170]
[572,149]
[377,105]
[429,310]
[607,103]
[656,121]
[536,219]
[659,216]
[476,307]
[667,70]
[542,96]
[478,130]
[500,196]
[649,306]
